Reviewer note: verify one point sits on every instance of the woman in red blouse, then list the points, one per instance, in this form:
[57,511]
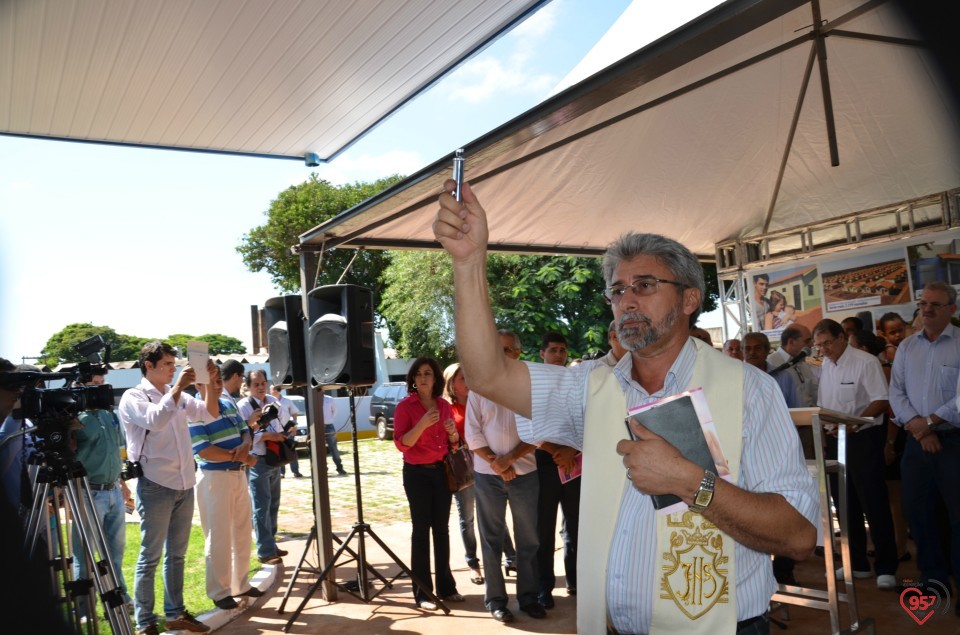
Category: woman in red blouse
[423,430]
[456,391]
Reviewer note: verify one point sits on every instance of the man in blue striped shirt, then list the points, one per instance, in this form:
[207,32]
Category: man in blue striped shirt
[655,287]
[222,448]
[923,391]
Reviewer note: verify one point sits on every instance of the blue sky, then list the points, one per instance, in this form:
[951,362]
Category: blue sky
[144,241]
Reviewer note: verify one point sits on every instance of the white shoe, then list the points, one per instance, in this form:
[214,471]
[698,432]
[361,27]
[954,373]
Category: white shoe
[857,575]
[886,582]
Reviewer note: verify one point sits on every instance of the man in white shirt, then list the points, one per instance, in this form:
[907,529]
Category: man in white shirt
[505,471]
[852,382]
[656,288]
[155,418]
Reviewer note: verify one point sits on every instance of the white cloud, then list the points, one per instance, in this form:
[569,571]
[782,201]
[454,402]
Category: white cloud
[486,76]
[539,24]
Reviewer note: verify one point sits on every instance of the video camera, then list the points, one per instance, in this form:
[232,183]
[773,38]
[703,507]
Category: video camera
[52,409]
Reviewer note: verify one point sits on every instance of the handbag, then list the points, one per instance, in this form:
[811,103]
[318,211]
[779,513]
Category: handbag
[458,465]
[279,453]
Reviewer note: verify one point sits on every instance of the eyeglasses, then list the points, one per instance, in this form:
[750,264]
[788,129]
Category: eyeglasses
[646,285]
[936,306]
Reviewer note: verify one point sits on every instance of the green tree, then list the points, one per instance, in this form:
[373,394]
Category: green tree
[219,344]
[62,346]
[300,208]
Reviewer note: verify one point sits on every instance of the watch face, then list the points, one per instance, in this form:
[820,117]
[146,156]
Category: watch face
[703,498]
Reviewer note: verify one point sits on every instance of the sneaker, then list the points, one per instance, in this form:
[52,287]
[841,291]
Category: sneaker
[857,575]
[427,605]
[187,622]
[274,559]
[886,582]
[226,603]
[149,630]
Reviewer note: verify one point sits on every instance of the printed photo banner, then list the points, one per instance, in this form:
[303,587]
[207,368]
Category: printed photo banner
[865,283]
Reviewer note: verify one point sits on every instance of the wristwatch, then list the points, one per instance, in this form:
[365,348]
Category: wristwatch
[704,494]
[930,423]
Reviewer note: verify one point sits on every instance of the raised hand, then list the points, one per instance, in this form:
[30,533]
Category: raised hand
[461,228]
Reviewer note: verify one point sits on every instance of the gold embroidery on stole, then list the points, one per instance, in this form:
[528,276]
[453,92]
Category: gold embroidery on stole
[694,571]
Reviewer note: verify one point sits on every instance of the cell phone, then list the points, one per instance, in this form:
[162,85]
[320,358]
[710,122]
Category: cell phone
[458,174]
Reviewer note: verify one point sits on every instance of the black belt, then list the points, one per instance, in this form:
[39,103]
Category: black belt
[226,469]
[103,486]
[740,625]
[429,466]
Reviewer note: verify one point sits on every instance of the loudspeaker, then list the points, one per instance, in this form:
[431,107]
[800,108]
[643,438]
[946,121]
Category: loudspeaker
[285,325]
[340,338]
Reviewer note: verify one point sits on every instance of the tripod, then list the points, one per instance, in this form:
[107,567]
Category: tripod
[63,482]
[359,531]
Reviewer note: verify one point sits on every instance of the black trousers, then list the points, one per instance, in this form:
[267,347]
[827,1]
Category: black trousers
[429,498]
[553,493]
[867,495]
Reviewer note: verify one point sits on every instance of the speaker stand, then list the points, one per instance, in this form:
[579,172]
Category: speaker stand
[360,532]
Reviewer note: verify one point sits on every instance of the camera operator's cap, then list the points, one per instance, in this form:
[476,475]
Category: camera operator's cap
[30,368]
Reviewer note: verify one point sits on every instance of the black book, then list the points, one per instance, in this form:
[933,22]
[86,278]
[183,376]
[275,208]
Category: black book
[677,422]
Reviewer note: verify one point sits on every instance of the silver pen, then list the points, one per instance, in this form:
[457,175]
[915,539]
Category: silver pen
[458,174]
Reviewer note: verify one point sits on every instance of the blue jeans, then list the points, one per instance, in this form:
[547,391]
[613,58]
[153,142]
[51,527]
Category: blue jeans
[165,518]
[332,449]
[265,498]
[109,506]
[466,502]
[492,495]
[924,475]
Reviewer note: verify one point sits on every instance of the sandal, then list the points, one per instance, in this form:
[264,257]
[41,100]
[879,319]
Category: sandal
[476,578]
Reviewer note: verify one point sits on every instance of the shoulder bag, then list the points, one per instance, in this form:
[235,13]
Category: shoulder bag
[458,465]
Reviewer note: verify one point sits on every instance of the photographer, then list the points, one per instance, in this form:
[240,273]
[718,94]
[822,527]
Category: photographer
[291,411]
[155,417]
[266,419]
[98,446]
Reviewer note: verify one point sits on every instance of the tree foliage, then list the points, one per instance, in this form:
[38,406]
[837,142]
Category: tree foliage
[298,209]
[219,344]
[529,295]
[62,346]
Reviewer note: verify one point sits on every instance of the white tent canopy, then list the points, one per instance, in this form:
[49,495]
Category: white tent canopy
[716,131]
[280,78]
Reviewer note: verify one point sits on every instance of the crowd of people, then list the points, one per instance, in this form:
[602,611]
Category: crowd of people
[189,445]
[904,378]
[549,443]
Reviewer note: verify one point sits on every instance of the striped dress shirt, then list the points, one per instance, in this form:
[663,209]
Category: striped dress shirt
[771,461]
